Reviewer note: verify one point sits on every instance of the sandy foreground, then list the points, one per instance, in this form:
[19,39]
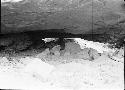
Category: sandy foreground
[66,72]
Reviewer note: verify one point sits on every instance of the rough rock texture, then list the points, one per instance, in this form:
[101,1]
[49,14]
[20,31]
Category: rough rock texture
[14,43]
[74,16]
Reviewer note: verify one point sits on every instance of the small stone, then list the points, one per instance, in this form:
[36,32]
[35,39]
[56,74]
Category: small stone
[94,54]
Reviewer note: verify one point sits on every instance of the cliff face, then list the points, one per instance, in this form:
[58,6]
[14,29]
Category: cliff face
[74,16]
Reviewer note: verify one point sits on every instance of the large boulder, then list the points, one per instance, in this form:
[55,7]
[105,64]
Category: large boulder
[73,16]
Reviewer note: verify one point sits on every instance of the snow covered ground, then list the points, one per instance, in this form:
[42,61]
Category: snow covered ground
[71,71]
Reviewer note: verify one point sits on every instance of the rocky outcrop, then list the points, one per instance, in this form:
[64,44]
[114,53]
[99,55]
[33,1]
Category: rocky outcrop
[74,16]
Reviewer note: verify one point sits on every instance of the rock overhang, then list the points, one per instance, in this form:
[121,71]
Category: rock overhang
[71,16]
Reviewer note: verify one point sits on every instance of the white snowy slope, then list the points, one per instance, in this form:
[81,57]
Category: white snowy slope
[100,47]
[31,73]
[72,76]
[29,76]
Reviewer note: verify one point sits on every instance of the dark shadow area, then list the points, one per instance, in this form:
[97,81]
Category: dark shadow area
[16,43]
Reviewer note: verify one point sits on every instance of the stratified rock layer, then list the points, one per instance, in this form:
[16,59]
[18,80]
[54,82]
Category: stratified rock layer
[74,16]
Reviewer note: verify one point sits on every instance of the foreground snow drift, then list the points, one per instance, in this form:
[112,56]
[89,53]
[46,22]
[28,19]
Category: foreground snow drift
[49,72]
[38,75]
